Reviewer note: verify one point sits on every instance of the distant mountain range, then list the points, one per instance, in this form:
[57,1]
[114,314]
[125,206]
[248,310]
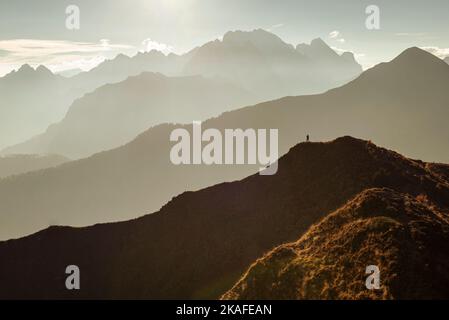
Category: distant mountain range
[258,62]
[261,62]
[401,104]
[200,243]
[245,58]
[131,107]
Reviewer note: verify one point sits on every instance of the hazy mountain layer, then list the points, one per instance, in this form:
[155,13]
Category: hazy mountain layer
[123,66]
[17,164]
[30,100]
[262,63]
[200,243]
[117,113]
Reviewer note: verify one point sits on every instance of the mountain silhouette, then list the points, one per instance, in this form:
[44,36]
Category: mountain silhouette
[200,243]
[321,53]
[406,237]
[261,62]
[131,107]
[404,110]
[446,59]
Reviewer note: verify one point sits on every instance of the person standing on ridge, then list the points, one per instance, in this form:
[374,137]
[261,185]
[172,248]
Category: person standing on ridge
[307,138]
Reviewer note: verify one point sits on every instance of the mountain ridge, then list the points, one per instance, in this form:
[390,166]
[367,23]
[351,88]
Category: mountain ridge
[405,237]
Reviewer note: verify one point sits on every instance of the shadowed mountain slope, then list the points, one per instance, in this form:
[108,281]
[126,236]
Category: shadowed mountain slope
[406,237]
[440,168]
[199,244]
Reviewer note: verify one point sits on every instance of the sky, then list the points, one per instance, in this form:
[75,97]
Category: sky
[35,32]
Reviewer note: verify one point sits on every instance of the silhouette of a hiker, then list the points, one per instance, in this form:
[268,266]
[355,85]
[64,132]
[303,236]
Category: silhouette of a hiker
[307,138]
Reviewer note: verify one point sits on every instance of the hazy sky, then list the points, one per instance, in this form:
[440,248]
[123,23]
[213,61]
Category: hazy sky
[35,31]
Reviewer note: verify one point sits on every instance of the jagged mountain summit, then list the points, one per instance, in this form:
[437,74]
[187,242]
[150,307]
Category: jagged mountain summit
[228,226]
[261,62]
[318,50]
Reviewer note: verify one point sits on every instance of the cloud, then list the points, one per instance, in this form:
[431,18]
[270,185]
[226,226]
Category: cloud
[150,45]
[276,26]
[334,34]
[39,48]
[437,51]
[57,55]
[105,42]
[410,34]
